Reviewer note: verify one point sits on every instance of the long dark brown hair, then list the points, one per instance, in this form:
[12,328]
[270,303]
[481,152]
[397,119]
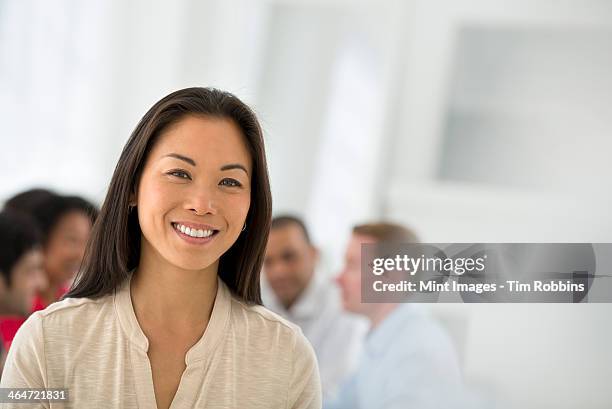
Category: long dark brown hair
[114,247]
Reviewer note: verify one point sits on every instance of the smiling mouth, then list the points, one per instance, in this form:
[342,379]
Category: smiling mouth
[194,233]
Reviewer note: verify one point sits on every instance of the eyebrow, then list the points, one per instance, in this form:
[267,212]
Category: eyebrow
[181,157]
[229,166]
[234,166]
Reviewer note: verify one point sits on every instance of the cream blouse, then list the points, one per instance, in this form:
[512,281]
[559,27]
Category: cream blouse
[248,358]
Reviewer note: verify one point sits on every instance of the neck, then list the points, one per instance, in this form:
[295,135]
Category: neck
[380,313]
[171,296]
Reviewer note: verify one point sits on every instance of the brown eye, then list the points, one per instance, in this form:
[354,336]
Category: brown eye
[230,182]
[179,174]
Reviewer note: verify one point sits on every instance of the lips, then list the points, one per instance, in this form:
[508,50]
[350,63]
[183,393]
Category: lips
[195,233]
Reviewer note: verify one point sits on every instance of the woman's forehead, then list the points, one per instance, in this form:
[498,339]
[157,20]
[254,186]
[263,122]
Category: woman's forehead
[203,139]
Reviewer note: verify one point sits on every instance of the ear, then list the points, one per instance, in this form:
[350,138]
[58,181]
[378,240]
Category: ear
[133,201]
[314,252]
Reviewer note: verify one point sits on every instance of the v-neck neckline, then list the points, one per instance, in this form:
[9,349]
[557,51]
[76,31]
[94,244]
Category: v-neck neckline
[196,359]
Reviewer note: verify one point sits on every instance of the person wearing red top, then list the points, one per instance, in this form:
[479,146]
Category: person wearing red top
[21,273]
[65,222]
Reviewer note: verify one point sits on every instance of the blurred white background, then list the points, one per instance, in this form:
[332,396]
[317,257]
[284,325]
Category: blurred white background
[470,121]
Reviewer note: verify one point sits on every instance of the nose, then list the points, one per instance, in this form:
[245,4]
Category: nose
[202,201]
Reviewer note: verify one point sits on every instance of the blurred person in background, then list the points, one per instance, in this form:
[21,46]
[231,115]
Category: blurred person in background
[292,288]
[21,273]
[29,200]
[409,361]
[65,222]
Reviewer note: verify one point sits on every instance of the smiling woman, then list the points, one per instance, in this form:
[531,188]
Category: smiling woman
[166,309]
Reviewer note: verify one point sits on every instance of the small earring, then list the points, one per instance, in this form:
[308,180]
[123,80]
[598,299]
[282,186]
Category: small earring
[244,227]
[131,207]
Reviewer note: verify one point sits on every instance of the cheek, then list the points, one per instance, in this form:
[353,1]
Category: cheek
[237,208]
[154,199]
[296,267]
[53,253]
[19,281]
[68,250]
[355,283]
[150,193]
[22,280]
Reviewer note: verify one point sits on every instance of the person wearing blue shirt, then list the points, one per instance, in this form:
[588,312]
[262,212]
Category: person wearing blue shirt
[409,361]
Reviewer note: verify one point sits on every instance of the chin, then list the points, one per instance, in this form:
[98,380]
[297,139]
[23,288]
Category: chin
[346,306]
[191,264]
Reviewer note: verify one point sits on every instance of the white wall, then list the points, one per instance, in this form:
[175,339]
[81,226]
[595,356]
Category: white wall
[52,78]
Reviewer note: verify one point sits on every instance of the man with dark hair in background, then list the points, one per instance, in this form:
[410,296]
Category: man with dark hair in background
[292,288]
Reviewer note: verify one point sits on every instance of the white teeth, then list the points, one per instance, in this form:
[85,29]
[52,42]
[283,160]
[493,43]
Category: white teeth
[193,232]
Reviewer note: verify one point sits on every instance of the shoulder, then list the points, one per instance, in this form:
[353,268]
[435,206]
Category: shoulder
[74,305]
[45,340]
[266,340]
[261,320]
[64,322]
[268,331]
[72,311]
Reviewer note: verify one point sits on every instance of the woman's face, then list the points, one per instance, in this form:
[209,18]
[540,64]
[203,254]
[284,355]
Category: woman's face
[194,193]
[27,278]
[66,246]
